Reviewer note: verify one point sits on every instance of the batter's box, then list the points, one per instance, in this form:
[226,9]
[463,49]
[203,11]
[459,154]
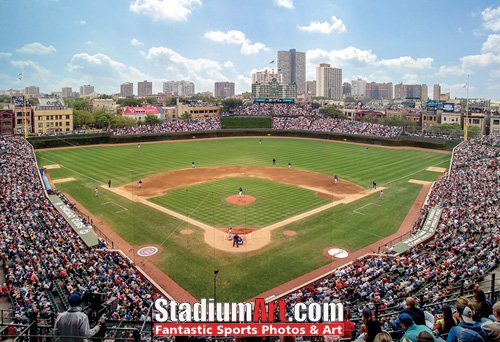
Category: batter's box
[116,204]
[357,210]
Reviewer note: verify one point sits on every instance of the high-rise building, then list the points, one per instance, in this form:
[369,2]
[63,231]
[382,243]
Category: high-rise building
[86,90]
[67,92]
[436,92]
[409,91]
[379,91]
[311,88]
[224,89]
[358,88]
[180,88]
[425,93]
[127,89]
[144,88]
[266,76]
[32,91]
[329,82]
[292,65]
[346,89]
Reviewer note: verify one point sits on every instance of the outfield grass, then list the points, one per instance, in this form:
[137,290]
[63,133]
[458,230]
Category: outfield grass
[189,261]
[274,202]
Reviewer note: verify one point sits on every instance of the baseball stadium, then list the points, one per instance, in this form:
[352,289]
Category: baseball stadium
[365,216]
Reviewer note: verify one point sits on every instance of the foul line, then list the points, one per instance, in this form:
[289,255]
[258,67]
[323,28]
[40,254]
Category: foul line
[121,206]
[357,212]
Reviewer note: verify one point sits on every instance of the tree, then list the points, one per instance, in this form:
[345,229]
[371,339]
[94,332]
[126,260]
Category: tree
[119,121]
[82,118]
[397,121]
[474,131]
[315,105]
[333,112]
[230,104]
[5,98]
[186,116]
[150,100]
[78,104]
[453,129]
[152,120]
[104,96]
[130,101]
[33,101]
[103,119]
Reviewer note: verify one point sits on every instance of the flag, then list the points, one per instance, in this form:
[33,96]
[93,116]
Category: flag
[20,76]
[271,62]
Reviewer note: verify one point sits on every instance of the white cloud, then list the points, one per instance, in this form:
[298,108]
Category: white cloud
[284,3]
[5,55]
[176,10]
[491,18]
[104,67]
[135,42]
[480,61]
[202,71]
[81,22]
[411,79]
[228,64]
[492,44]
[405,63]
[237,38]
[325,27]
[338,58]
[37,49]
[28,66]
[89,42]
[454,70]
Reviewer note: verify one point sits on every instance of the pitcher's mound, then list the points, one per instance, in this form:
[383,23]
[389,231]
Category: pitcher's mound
[240,200]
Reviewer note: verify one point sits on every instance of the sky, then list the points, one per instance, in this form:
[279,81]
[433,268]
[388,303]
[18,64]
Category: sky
[68,43]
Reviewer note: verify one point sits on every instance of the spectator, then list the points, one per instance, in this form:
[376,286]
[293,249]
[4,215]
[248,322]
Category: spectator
[446,321]
[482,309]
[467,330]
[411,330]
[492,328]
[371,325]
[73,325]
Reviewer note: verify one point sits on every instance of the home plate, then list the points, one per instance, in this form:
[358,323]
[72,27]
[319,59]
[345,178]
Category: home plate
[338,253]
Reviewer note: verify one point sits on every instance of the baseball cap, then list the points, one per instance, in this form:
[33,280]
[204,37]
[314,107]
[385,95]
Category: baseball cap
[366,313]
[75,299]
[466,314]
[405,319]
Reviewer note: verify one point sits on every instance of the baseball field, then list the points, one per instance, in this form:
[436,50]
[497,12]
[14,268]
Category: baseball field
[295,214]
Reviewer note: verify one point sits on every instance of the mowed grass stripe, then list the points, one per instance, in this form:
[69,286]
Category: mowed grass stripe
[206,202]
[189,261]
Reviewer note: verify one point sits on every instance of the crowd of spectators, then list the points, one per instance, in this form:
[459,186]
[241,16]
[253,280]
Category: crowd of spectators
[335,125]
[41,253]
[463,249]
[201,124]
[275,109]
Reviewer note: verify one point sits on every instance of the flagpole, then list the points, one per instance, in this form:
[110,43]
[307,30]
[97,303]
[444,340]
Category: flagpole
[466,119]
[25,117]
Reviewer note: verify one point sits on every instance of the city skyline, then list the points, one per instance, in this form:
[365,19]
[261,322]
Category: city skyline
[72,43]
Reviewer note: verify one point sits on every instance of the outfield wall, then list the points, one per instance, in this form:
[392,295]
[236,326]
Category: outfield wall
[106,138]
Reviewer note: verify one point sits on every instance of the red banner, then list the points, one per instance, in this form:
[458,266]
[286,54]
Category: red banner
[248,329]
